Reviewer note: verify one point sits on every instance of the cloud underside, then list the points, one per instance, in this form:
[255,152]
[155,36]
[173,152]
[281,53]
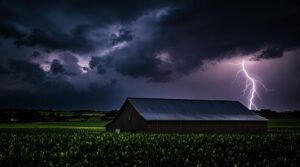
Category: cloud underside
[189,32]
[99,42]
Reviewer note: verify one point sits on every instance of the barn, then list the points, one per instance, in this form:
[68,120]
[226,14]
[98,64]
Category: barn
[156,115]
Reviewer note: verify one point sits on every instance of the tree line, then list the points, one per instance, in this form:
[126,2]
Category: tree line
[36,115]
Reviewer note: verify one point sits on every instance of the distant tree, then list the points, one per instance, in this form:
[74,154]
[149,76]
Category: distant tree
[86,117]
[109,115]
[278,115]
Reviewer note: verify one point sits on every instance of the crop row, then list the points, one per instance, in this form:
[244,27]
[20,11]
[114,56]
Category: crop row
[62,147]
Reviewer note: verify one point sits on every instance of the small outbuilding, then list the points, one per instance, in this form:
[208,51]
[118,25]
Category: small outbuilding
[157,115]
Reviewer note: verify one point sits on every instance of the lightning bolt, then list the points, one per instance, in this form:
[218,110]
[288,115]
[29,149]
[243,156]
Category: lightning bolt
[250,87]
[250,80]
[251,84]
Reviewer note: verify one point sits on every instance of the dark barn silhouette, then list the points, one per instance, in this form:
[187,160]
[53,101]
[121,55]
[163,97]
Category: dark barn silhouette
[186,116]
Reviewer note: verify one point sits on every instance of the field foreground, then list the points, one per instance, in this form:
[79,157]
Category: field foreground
[75,147]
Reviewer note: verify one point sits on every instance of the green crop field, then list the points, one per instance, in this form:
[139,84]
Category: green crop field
[284,125]
[97,125]
[74,147]
[84,143]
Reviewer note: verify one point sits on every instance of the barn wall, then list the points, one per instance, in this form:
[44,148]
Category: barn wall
[122,122]
[207,126]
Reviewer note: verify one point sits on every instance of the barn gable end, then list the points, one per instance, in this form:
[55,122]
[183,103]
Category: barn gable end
[128,120]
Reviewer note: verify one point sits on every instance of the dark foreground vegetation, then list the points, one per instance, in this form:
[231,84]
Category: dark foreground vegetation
[62,147]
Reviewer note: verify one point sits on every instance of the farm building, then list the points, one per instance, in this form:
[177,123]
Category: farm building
[186,116]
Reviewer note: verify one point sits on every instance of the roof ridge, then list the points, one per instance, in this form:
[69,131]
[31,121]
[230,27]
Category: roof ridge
[155,98]
[191,109]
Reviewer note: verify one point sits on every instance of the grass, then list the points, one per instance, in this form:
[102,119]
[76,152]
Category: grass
[70,114]
[284,125]
[92,124]
[81,119]
[273,124]
[278,123]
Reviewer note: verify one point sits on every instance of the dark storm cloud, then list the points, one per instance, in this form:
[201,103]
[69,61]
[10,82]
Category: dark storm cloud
[208,30]
[57,41]
[67,66]
[9,27]
[26,70]
[198,30]
[36,54]
[11,30]
[100,69]
[62,95]
[64,25]
[270,53]
[99,64]
[153,41]
[95,61]
[137,63]
[122,35]
[56,67]
[235,26]
[3,70]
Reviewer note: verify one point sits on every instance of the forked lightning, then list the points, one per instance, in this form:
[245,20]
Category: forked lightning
[251,87]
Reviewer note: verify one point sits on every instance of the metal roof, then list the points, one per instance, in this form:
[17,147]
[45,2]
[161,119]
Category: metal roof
[192,110]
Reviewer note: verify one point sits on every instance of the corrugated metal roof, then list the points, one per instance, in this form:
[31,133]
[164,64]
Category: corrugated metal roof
[192,110]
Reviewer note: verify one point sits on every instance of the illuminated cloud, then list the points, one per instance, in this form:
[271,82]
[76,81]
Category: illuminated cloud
[104,52]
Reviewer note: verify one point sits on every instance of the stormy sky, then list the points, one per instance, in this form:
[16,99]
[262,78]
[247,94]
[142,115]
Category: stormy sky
[93,54]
